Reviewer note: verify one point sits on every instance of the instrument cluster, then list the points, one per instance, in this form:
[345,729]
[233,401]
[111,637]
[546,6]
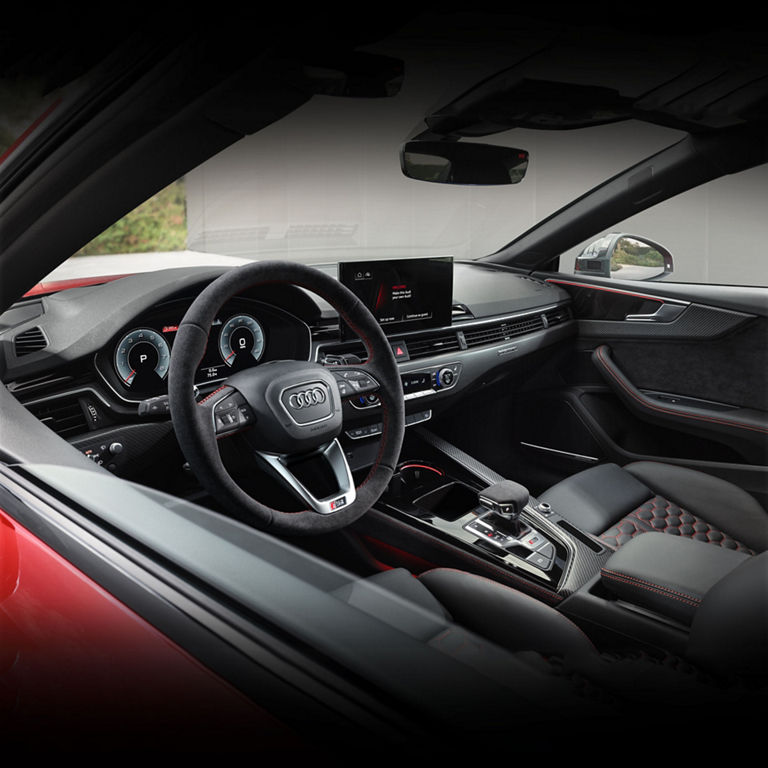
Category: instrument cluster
[245,333]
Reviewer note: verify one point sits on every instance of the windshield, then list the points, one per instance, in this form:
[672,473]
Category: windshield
[324,185]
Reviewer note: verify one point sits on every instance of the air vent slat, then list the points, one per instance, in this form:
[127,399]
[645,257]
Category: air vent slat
[29,341]
[494,333]
[432,345]
[460,312]
[558,315]
[63,416]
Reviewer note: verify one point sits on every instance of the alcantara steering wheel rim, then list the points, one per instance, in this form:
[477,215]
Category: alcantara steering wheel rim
[196,423]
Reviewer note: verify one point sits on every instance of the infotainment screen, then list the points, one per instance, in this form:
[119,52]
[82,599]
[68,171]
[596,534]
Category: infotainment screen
[402,294]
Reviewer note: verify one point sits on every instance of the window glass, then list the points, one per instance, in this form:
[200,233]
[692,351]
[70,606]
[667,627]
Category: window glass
[716,233]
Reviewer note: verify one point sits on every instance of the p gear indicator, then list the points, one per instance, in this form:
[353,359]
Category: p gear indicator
[142,358]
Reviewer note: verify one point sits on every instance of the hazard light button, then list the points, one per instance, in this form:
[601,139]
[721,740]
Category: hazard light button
[400,351]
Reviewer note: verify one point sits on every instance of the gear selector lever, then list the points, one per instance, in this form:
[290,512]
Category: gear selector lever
[502,526]
[506,499]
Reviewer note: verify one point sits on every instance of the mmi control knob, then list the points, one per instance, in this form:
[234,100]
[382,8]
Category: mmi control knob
[445,378]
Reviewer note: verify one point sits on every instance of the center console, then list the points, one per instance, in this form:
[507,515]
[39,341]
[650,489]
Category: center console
[446,509]
[486,523]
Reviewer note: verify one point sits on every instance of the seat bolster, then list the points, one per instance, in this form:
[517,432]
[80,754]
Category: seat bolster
[722,504]
[505,616]
[398,598]
[598,497]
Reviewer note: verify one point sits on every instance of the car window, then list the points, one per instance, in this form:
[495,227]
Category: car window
[319,190]
[716,233]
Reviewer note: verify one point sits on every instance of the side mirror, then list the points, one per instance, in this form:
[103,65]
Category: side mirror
[454,162]
[628,257]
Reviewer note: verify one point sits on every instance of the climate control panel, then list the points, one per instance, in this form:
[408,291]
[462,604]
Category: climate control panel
[430,381]
[425,381]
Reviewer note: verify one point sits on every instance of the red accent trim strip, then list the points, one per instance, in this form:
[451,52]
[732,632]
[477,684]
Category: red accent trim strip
[590,287]
[421,466]
[395,555]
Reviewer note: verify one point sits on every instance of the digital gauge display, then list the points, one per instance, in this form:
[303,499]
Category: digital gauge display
[142,358]
[241,341]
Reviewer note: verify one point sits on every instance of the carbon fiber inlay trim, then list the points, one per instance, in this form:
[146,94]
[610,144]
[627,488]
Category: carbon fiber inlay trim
[583,562]
[477,468]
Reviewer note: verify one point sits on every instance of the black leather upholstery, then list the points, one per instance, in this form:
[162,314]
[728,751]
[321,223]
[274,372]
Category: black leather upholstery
[487,608]
[504,615]
[669,575]
[618,504]
[729,633]
[456,610]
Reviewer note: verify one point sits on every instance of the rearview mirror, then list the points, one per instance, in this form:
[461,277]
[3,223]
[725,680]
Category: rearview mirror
[624,256]
[453,162]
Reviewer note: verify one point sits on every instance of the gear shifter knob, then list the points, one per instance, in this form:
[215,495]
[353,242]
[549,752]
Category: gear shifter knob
[506,498]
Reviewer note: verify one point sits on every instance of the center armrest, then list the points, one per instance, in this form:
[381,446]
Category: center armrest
[668,574]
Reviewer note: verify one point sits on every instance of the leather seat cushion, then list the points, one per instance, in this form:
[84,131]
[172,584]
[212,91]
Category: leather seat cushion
[618,504]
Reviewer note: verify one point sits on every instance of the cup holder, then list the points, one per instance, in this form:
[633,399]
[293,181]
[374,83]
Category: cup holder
[449,501]
[425,490]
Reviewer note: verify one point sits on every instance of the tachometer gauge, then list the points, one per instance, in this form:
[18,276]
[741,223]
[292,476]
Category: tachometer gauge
[142,358]
[241,340]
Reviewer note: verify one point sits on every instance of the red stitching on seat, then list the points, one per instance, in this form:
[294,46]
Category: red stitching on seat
[694,603]
[650,583]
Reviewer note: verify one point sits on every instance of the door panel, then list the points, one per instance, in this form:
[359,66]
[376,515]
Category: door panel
[684,383]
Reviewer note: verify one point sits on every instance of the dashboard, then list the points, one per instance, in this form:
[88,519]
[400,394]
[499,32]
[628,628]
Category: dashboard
[88,380]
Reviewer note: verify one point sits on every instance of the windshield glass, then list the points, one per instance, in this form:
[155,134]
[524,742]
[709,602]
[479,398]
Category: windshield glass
[324,185]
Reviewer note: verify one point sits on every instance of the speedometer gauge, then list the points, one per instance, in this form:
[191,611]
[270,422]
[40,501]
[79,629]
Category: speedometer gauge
[241,340]
[142,358]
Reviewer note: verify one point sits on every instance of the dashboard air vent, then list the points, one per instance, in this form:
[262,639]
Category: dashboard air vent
[558,315]
[29,341]
[64,416]
[494,333]
[432,344]
[460,312]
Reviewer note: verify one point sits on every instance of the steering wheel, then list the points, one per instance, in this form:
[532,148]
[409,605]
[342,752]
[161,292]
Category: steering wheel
[292,409]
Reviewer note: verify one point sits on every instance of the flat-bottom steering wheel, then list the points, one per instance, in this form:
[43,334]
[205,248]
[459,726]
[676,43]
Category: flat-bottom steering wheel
[292,409]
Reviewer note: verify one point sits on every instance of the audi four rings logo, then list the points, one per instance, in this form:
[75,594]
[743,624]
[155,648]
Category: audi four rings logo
[307,398]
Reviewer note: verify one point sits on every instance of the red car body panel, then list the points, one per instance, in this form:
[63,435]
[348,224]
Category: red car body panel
[75,661]
[53,286]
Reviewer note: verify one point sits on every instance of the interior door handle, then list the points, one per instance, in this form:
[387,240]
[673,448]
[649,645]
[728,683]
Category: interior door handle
[666,313]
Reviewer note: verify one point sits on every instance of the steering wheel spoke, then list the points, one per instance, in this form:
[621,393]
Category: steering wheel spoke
[292,409]
[229,410]
[287,469]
